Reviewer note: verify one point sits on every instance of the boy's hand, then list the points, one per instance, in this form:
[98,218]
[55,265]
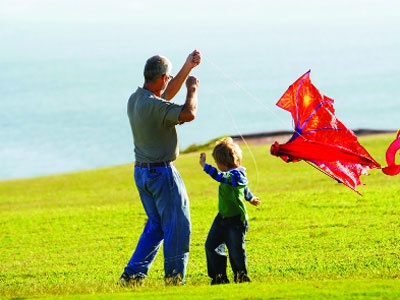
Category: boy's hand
[255,201]
[202,160]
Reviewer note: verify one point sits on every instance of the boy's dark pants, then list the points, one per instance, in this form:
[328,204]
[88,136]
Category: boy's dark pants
[231,232]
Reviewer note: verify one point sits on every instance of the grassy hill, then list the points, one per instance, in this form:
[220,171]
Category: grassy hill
[72,234]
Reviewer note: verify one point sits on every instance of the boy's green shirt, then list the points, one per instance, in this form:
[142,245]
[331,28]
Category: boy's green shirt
[233,190]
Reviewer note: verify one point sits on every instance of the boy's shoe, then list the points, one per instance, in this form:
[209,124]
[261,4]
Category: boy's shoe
[242,277]
[220,279]
[130,280]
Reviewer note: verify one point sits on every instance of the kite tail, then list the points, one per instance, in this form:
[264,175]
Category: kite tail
[392,168]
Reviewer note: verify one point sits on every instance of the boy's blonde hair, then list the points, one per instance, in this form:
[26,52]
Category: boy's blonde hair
[227,152]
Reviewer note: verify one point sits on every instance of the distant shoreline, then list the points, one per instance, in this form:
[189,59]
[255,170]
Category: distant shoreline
[282,136]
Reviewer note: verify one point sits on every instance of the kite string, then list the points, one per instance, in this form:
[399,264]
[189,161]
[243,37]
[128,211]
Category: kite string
[297,132]
[233,121]
[243,139]
[252,96]
[246,91]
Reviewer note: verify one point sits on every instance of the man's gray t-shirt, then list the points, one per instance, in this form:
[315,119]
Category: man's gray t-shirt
[153,121]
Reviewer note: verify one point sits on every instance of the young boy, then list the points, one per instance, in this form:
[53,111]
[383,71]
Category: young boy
[231,223]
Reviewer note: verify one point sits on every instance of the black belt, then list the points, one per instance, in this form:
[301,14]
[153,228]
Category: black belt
[153,165]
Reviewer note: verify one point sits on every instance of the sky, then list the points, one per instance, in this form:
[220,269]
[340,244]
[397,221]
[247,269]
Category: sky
[40,28]
[131,11]
[158,15]
[97,48]
[311,31]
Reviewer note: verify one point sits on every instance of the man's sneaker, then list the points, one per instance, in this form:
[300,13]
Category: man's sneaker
[220,279]
[130,280]
[124,280]
[174,280]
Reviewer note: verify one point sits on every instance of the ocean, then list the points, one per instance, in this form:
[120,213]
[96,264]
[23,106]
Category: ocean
[64,93]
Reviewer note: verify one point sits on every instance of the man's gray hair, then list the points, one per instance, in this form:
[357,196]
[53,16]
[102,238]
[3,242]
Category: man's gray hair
[156,66]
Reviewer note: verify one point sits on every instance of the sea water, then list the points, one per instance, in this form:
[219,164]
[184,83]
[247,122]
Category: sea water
[63,104]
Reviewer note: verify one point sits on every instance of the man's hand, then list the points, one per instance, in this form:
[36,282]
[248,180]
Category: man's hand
[192,82]
[189,110]
[194,59]
[176,83]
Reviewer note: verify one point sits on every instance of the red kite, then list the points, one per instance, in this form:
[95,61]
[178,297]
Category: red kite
[319,137]
[392,169]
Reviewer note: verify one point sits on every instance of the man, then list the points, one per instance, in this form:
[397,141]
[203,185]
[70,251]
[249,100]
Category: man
[163,194]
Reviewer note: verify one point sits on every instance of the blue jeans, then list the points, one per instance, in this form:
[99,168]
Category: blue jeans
[166,203]
[230,232]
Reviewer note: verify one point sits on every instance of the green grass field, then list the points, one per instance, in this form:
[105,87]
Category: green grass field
[70,235]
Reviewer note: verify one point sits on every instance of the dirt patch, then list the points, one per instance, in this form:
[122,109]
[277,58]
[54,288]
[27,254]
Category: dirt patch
[283,136]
